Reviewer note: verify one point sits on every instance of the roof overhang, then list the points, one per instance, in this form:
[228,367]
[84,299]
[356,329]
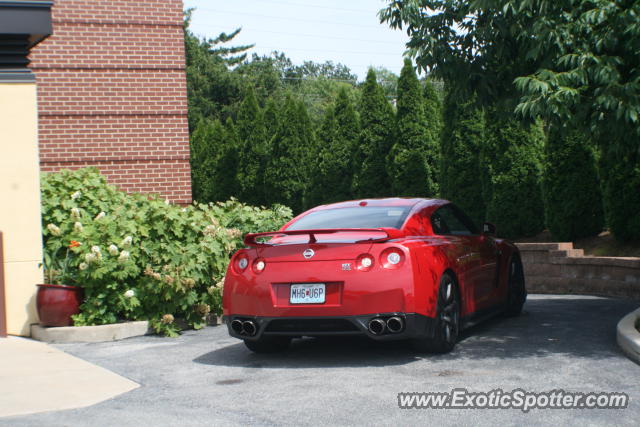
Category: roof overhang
[25,19]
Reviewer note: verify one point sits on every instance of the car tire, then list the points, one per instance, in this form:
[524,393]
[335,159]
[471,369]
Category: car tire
[268,344]
[516,290]
[447,322]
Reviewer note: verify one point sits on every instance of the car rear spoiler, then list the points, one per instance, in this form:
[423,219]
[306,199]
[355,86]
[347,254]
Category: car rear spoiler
[391,233]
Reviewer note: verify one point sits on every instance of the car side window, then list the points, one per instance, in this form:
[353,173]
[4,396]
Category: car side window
[446,221]
[462,217]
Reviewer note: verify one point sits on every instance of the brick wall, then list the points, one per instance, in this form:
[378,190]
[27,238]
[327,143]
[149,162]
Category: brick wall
[558,268]
[112,94]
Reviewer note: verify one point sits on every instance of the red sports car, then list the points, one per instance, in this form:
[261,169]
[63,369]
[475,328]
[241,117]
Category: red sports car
[389,269]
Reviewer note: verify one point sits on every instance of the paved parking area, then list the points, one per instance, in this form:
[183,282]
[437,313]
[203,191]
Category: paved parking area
[207,378]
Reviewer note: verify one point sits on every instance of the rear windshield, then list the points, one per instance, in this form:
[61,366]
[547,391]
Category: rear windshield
[358,217]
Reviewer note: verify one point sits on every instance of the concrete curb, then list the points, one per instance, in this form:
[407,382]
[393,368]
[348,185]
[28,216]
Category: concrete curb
[628,336]
[101,333]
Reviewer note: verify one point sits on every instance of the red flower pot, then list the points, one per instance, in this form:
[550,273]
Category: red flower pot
[56,304]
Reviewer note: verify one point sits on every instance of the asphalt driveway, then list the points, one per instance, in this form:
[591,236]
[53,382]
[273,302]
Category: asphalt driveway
[207,378]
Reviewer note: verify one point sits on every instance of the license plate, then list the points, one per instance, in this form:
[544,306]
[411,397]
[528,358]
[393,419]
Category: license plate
[308,293]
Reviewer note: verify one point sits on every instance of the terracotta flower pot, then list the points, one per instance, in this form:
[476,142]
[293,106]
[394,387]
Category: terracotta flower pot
[56,304]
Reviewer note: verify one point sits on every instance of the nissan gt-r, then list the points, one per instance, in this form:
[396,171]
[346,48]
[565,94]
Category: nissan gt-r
[389,269]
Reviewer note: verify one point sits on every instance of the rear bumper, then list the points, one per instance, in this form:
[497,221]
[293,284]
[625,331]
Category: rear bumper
[415,326]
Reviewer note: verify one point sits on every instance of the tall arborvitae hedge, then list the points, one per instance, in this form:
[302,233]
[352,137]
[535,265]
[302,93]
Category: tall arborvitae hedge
[409,172]
[203,157]
[375,141]
[270,117]
[286,169]
[252,135]
[571,189]
[338,139]
[462,137]
[511,161]
[434,126]
[316,190]
[225,172]
[309,149]
[620,175]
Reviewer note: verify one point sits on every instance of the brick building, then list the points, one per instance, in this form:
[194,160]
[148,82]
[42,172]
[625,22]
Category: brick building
[112,94]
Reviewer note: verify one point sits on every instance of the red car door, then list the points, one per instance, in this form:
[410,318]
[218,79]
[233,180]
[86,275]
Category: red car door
[477,254]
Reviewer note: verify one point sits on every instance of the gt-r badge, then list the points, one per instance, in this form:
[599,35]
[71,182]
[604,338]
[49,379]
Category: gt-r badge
[346,266]
[308,253]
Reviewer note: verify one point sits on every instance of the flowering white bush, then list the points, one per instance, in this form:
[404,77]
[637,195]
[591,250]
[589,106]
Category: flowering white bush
[160,261]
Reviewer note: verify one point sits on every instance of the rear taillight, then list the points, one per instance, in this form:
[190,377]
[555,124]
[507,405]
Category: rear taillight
[241,263]
[259,265]
[392,258]
[364,262]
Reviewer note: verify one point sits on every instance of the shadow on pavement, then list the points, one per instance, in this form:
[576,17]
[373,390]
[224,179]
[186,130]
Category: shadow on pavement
[582,327]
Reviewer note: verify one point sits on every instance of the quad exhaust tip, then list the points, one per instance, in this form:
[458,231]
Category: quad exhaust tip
[377,326]
[236,325]
[244,327]
[249,328]
[395,324]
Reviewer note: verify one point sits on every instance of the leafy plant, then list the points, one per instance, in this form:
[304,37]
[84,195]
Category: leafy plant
[137,256]
[58,269]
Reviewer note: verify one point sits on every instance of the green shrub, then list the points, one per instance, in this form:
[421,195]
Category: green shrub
[434,126]
[620,175]
[286,173]
[334,168]
[224,183]
[138,257]
[214,161]
[409,171]
[203,157]
[375,141]
[462,137]
[253,145]
[511,172]
[571,191]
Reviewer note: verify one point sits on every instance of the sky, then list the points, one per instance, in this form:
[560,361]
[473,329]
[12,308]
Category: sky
[341,31]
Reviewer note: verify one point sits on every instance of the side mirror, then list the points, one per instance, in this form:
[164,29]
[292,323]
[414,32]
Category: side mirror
[489,229]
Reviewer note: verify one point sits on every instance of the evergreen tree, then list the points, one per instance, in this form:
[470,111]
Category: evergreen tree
[308,148]
[227,53]
[571,192]
[434,120]
[285,173]
[316,191]
[511,162]
[408,169]
[375,141]
[270,116]
[203,156]
[225,173]
[252,135]
[333,179]
[462,137]
[620,174]
[212,89]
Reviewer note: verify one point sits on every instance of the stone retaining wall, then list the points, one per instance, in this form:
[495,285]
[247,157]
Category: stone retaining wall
[560,269]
